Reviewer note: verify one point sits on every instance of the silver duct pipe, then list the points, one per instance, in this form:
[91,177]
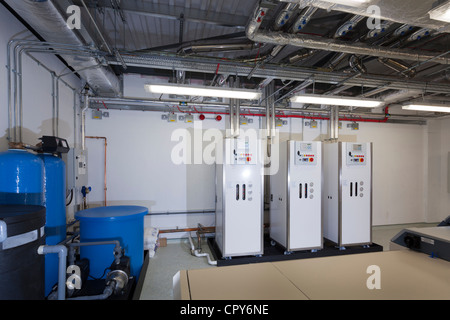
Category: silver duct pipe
[46,19]
[213,47]
[319,43]
[348,26]
[399,67]
[285,15]
[83,121]
[303,19]
[333,124]
[300,55]
[415,15]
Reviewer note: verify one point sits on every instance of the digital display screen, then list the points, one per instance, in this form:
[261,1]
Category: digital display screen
[357,147]
[306,147]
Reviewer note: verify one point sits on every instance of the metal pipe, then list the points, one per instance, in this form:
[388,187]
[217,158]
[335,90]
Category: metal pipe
[237,126]
[210,229]
[104,164]
[16,111]
[97,28]
[232,109]
[83,121]
[47,19]
[320,43]
[61,250]
[223,47]
[198,254]
[117,249]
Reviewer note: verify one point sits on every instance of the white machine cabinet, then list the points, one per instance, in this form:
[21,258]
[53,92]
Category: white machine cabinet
[239,199]
[347,193]
[296,197]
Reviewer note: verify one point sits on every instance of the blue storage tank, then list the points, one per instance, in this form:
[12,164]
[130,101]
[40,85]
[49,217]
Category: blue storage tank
[123,223]
[21,178]
[55,203]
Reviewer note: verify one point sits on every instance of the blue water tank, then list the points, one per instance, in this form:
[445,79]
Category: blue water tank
[123,223]
[21,178]
[55,203]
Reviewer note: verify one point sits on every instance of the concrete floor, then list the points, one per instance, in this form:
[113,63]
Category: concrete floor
[176,256]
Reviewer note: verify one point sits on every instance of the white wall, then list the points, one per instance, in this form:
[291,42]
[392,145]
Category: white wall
[37,90]
[438,171]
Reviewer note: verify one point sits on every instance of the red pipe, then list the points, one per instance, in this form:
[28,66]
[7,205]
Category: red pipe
[386,117]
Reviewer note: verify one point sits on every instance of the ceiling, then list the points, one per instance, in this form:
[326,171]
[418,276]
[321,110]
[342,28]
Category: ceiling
[215,39]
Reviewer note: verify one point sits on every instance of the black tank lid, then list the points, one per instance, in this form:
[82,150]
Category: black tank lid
[22,218]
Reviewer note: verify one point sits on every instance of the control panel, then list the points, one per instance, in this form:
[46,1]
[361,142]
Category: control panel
[306,154]
[356,154]
[244,152]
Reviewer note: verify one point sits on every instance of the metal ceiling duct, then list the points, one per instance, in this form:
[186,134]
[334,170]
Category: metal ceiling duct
[46,19]
[217,47]
[416,13]
[320,43]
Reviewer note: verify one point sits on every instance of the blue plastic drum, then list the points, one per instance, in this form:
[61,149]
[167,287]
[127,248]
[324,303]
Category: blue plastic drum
[55,204]
[123,223]
[21,178]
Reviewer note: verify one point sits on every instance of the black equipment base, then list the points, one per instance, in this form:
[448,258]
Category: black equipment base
[277,253]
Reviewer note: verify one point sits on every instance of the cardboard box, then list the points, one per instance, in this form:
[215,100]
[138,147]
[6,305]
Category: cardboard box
[404,275]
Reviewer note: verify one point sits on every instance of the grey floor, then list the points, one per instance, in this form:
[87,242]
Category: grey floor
[176,256]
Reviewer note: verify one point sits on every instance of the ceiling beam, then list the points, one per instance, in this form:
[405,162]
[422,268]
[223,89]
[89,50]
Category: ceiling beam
[166,11]
[164,60]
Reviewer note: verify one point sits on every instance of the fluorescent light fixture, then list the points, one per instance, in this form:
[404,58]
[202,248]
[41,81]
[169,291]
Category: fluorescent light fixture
[337,101]
[427,107]
[441,12]
[351,3]
[184,90]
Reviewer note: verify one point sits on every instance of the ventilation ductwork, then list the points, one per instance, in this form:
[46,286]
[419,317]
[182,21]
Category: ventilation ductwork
[390,12]
[416,13]
[320,43]
[46,19]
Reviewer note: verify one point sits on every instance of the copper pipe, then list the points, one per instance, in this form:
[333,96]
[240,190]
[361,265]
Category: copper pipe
[104,138]
[210,229]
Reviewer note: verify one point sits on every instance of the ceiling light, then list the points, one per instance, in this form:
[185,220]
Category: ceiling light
[351,3]
[425,107]
[441,12]
[337,101]
[183,90]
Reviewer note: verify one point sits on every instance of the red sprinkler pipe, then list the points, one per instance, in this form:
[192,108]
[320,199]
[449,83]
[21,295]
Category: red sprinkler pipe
[386,116]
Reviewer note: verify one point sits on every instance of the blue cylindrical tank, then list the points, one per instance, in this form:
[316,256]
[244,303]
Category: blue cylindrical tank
[55,203]
[123,223]
[21,177]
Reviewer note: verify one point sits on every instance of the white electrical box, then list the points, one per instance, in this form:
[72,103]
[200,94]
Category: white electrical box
[239,198]
[347,193]
[296,197]
[76,168]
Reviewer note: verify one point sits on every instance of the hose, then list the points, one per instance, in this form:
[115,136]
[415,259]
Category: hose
[198,254]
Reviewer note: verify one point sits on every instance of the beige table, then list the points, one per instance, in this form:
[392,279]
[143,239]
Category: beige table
[404,275]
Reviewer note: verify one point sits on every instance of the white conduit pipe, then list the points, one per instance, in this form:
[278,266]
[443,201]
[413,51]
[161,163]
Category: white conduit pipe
[198,254]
